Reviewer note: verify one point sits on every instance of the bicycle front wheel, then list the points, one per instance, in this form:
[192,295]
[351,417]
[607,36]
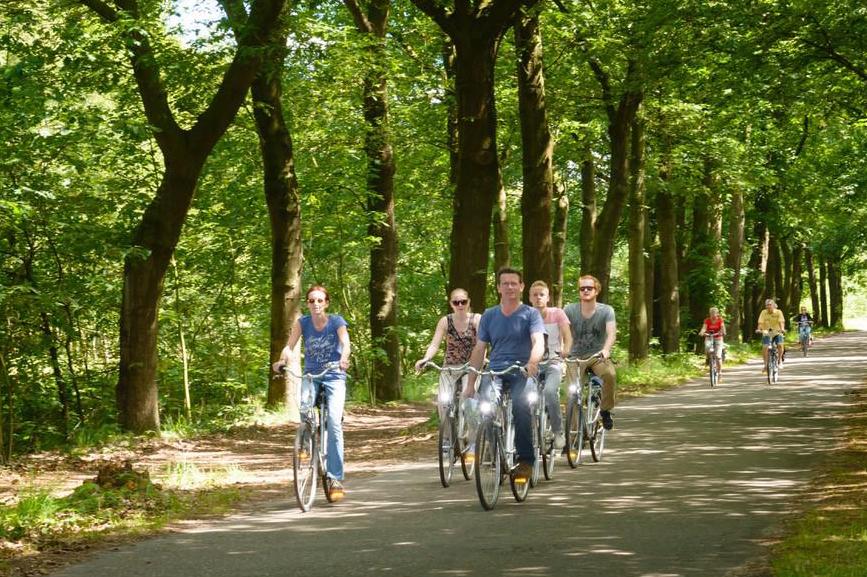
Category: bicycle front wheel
[446,451]
[574,432]
[304,465]
[488,466]
[805,343]
[538,444]
[463,443]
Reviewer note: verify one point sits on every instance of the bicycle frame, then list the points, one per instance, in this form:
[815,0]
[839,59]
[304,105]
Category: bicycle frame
[452,424]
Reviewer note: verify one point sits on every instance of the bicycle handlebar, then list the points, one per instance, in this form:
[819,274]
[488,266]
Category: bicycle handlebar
[327,368]
[510,369]
[459,369]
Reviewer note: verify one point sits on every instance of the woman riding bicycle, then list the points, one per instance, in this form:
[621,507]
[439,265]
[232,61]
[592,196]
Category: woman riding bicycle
[804,322]
[714,329]
[326,340]
[460,329]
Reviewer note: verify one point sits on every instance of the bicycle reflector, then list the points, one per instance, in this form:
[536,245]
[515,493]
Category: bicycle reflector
[485,407]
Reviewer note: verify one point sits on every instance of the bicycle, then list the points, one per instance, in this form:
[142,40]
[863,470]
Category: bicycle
[772,368]
[545,451]
[804,336]
[309,459]
[495,444]
[452,429]
[710,344]
[583,418]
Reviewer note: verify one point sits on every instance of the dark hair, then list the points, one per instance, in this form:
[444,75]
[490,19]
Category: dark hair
[319,287]
[507,270]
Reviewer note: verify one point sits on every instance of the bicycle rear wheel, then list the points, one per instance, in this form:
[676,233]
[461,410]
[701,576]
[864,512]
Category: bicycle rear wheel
[462,442]
[805,344]
[519,489]
[446,456]
[538,443]
[775,371]
[488,466]
[595,431]
[305,459]
[549,453]
[574,432]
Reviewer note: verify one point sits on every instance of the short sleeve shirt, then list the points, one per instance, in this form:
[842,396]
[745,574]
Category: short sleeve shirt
[553,318]
[509,336]
[774,321]
[321,347]
[588,335]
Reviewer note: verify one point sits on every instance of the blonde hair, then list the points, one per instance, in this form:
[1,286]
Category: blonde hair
[539,283]
[595,280]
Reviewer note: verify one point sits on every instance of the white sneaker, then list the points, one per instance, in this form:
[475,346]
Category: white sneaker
[559,440]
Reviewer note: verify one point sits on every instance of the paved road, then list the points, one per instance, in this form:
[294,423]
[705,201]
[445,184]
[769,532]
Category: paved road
[692,481]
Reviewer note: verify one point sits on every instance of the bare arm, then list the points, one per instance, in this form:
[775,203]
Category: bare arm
[610,337]
[434,346]
[565,338]
[286,353]
[536,353]
[477,357]
[343,335]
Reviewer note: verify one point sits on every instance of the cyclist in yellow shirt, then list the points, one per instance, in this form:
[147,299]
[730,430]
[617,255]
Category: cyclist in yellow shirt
[772,319]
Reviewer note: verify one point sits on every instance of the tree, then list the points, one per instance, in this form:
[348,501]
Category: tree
[184,153]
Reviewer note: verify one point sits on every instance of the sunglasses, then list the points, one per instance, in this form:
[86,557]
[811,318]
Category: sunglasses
[311,301]
[586,289]
[459,303]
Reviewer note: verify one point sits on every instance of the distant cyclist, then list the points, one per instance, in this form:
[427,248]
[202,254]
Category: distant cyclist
[559,338]
[594,330]
[772,319]
[804,322]
[326,340]
[714,326]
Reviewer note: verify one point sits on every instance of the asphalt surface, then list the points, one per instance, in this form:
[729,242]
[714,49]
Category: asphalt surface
[692,481]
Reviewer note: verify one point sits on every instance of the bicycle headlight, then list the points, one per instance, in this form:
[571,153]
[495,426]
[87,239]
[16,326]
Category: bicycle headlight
[573,389]
[533,396]
[485,407]
[445,397]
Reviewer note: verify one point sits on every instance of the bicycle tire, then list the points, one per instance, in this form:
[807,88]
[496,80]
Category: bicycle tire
[446,451]
[805,344]
[574,432]
[461,444]
[549,453]
[305,460]
[519,490]
[595,432]
[488,466]
[775,372]
[597,442]
[714,373]
[538,439]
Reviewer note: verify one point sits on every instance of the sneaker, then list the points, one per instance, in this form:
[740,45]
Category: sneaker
[559,440]
[522,473]
[607,421]
[335,490]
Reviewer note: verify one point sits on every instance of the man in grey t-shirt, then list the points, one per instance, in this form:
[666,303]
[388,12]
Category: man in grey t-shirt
[594,330]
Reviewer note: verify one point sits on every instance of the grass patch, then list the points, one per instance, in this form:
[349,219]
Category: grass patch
[829,538]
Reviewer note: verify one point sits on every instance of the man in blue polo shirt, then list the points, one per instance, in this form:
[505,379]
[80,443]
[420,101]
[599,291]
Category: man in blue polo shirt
[515,333]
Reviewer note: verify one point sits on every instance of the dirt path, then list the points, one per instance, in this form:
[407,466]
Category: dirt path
[256,457]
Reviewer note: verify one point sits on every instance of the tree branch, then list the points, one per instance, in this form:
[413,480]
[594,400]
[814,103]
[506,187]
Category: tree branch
[358,16]
[438,13]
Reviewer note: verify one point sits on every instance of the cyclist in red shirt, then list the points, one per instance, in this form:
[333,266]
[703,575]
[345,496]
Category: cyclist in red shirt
[714,329]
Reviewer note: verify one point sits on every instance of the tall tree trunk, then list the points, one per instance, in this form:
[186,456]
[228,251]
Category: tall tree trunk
[448,56]
[184,154]
[774,271]
[669,285]
[754,291]
[54,360]
[282,195]
[588,211]
[796,280]
[814,288]
[476,35]
[502,252]
[558,246]
[733,264]
[620,117]
[784,290]
[385,374]
[835,292]
[538,152]
[823,293]
[638,330]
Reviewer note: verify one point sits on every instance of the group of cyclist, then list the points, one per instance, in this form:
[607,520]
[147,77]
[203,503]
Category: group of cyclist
[508,333]
[771,325]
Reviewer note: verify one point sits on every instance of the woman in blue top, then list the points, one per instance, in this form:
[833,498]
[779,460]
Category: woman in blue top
[326,340]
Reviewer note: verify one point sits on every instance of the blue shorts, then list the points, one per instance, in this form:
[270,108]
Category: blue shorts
[778,339]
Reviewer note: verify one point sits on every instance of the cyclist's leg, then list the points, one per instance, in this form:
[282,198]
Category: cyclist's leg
[780,348]
[335,394]
[766,342]
[553,375]
[522,415]
[604,369]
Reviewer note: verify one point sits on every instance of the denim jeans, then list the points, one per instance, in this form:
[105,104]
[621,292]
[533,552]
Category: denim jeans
[553,374]
[804,331]
[522,417]
[335,396]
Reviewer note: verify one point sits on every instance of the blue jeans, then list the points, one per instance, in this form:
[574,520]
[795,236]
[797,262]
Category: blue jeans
[552,376]
[522,417]
[335,396]
[804,332]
